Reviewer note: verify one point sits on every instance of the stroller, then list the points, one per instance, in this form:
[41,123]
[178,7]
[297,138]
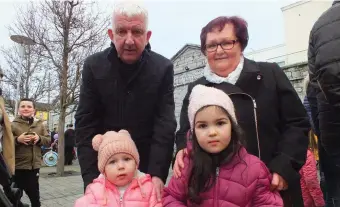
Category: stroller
[9,195]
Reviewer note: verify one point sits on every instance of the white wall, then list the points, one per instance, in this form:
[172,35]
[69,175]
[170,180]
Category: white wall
[299,19]
[270,54]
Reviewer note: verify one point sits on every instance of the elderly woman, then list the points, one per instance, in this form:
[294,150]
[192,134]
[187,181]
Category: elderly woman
[267,107]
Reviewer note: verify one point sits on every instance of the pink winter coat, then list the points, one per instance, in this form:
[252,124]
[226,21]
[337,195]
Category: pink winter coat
[245,182]
[140,193]
[311,191]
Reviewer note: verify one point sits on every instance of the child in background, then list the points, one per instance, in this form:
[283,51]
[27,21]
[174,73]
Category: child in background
[218,170]
[310,186]
[29,135]
[120,183]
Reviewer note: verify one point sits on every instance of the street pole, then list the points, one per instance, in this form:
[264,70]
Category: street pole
[48,100]
[22,57]
[22,41]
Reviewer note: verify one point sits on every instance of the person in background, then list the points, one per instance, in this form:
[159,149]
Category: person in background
[311,106]
[6,136]
[29,135]
[310,186]
[52,134]
[324,71]
[69,144]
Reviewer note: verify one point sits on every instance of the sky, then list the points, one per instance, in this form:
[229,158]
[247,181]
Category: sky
[176,22]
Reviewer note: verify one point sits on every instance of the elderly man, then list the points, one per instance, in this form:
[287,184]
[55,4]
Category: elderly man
[128,86]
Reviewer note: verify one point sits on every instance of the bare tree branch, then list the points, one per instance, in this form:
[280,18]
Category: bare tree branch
[68,31]
[33,74]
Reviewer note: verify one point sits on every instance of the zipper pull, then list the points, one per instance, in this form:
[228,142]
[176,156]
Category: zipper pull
[254,102]
[121,199]
[217,171]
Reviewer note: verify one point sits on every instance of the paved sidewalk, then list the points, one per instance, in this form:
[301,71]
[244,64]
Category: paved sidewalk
[59,191]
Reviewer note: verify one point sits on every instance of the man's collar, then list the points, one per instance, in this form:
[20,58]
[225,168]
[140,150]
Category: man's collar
[114,55]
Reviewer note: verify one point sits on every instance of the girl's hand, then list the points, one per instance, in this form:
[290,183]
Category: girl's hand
[278,183]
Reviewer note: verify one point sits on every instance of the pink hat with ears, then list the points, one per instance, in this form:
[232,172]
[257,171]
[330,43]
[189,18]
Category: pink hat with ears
[112,143]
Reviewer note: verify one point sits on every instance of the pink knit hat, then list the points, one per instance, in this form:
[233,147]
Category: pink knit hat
[112,143]
[202,96]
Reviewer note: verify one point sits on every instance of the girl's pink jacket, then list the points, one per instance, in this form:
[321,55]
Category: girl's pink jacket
[101,192]
[311,191]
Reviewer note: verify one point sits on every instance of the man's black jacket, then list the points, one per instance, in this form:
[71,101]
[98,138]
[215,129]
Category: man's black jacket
[324,70]
[143,105]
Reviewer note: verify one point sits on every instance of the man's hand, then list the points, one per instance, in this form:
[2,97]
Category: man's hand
[36,138]
[278,183]
[24,139]
[159,185]
[179,162]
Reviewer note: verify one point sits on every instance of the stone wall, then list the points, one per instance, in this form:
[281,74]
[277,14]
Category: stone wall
[189,67]
[188,58]
[296,73]
[181,86]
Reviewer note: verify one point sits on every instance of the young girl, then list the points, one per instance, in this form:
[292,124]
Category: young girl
[218,171]
[120,183]
[310,186]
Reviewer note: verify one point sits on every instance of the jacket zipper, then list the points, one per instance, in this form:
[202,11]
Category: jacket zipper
[121,200]
[255,119]
[216,187]
[33,154]
[121,197]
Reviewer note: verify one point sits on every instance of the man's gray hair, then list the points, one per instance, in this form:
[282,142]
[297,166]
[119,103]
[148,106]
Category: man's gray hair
[130,9]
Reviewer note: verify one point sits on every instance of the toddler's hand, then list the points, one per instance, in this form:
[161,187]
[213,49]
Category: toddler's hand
[159,185]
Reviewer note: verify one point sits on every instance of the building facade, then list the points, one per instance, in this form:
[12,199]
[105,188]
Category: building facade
[299,19]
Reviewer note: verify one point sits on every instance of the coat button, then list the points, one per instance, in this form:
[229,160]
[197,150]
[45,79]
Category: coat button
[259,77]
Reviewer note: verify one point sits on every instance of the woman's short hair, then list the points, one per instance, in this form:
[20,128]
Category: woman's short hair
[240,27]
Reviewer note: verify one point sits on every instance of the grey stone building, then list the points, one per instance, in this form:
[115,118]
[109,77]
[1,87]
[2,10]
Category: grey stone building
[189,63]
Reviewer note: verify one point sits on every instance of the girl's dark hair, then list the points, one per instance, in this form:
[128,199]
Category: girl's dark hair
[203,171]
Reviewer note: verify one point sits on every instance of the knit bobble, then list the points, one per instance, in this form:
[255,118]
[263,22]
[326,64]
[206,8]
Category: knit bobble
[96,141]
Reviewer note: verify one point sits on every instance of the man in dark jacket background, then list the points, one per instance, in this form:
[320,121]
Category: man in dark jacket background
[69,144]
[324,69]
[128,86]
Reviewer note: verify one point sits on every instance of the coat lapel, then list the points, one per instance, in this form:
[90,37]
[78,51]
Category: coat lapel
[250,78]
